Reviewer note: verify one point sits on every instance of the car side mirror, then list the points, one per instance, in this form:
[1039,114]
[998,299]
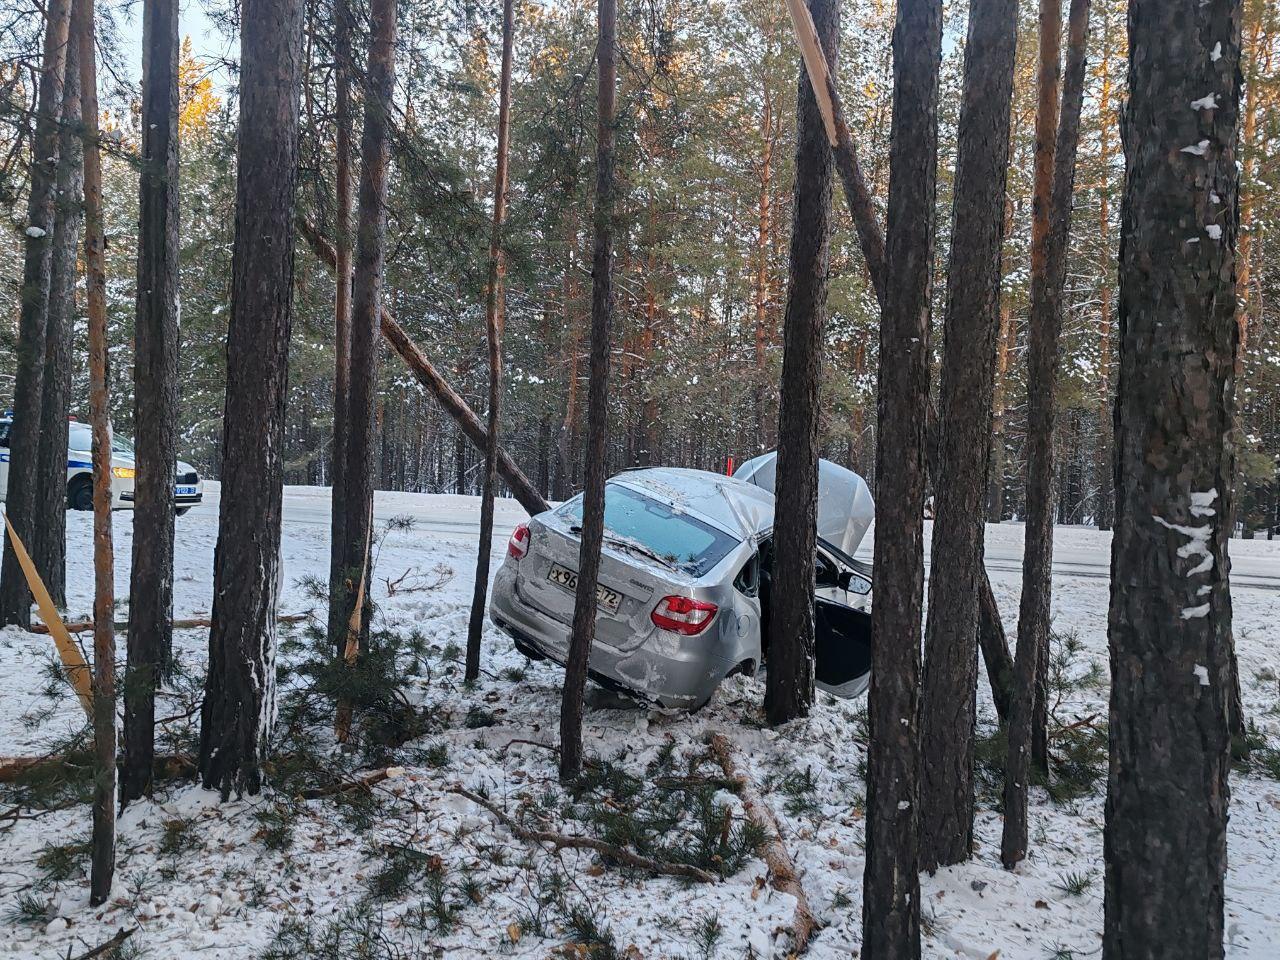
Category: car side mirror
[855,583]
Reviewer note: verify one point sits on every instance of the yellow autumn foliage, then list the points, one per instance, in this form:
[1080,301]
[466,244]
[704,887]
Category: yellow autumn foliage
[196,100]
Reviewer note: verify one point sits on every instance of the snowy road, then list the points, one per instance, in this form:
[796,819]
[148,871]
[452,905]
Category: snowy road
[1079,551]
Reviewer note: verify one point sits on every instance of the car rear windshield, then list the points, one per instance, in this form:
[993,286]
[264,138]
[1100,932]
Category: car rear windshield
[672,537]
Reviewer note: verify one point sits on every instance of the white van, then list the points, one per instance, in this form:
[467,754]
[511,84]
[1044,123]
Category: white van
[188,490]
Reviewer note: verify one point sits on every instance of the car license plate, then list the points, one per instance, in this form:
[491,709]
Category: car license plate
[186,491]
[606,598]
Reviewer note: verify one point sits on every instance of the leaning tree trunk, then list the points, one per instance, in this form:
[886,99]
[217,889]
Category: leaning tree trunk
[891,883]
[239,703]
[28,389]
[968,383]
[469,425]
[366,313]
[50,547]
[1028,739]
[341,315]
[789,681]
[155,392]
[584,606]
[103,857]
[493,316]
[1169,622]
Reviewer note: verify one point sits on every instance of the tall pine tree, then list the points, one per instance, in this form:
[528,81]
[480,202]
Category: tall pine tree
[239,702]
[1169,622]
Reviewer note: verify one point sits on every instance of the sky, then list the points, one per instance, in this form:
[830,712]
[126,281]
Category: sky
[207,41]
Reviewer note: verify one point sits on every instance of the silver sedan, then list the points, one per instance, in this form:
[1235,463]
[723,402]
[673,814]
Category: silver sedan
[685,579]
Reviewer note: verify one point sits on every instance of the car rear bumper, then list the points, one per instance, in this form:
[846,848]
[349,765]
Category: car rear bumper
[668,670]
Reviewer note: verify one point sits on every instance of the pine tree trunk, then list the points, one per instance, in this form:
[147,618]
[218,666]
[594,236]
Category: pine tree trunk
[991,635]
[1169,622]
[995,479]
[50,547]
[789,681]
[584,607]
[366,314]
[1028,742]
[341,316]
[949,711]
[239,704]
[760,292]
[1042,373]
[891,884]
[103,855]
[1105,509]
[28,390]
[155,391]
[493,331]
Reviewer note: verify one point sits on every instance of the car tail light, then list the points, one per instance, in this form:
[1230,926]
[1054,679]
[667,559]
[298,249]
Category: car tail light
[683,614]
[518,545]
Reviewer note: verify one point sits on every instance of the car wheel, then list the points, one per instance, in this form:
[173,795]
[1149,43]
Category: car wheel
[183,511]
[80,494]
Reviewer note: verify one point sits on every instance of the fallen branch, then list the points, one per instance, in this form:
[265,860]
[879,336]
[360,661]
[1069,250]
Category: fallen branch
[11,768]
[72,658]
[121,936]
[359,783]
[168,767]
[782,869]
[562,841]
[84,626]
[1086,722]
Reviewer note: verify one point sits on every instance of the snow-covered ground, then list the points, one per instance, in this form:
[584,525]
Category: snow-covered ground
[227,894]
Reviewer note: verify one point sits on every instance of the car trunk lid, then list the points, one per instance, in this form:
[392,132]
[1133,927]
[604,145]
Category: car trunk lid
[551,546]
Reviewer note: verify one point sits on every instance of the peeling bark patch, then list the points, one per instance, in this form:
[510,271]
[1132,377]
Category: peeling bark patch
[1197,544]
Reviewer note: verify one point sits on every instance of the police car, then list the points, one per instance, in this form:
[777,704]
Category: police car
[188,490]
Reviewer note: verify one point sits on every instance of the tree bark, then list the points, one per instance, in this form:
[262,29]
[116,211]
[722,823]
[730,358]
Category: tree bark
[155,391]
[820,67]
[28,390]
[995,648]
[341,311]
[366,313]
[1105,510]
[949,709]
[50,548]
[891,883]
[760,280]
[1169,622]
[449,399]
[493,331]
[239,704]
[103,853]
[584,607]
[789,681]
[1028,743]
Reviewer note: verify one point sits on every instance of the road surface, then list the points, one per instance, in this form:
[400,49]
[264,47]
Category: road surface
[1078,551]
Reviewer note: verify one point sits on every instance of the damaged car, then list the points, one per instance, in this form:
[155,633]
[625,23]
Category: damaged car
[686,574]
